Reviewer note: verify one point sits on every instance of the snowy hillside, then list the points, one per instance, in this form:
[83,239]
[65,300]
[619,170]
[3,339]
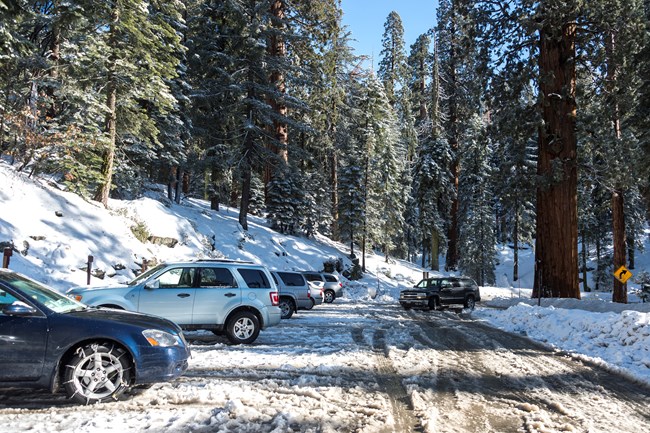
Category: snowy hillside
[55,231]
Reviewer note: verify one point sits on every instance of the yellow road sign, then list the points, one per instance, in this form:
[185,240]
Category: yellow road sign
[622,274]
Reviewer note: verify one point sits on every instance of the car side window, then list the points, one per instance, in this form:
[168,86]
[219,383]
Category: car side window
[292,279]
[330,278]
[177,277]
[6,299]
[216,277]
[254,278]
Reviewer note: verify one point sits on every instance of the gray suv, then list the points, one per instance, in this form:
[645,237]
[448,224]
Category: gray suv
[228,297]
[294,292]
[332,287]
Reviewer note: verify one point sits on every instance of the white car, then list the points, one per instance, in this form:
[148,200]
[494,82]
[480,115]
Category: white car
[228,297]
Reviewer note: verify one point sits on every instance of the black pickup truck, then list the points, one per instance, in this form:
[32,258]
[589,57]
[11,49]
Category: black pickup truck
[439,292]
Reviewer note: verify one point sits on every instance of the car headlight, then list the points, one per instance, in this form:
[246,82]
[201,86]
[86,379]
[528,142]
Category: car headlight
[156,337]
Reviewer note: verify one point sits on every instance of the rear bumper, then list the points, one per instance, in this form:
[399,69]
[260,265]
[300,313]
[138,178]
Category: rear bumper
[274,317]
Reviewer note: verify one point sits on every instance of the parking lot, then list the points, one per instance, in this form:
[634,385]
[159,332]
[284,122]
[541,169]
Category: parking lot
[351,367]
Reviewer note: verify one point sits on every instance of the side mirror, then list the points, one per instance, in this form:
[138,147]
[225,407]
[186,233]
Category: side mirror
[19,310]
[151,285]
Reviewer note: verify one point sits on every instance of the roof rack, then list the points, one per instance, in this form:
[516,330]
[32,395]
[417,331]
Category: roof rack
[224,261]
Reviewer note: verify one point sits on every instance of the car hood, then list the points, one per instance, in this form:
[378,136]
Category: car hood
[146,321]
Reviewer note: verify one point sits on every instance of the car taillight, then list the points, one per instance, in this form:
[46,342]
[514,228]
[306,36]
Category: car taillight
[309,293]
[275,298]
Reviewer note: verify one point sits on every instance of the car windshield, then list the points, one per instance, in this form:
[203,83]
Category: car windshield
[50,298]
[143,276]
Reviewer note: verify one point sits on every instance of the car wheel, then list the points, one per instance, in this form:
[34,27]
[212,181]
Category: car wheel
[243,328]
[97,372]
[470,302]
[434,304]
[313,303]
[329,296]
[286,308]
[406,307]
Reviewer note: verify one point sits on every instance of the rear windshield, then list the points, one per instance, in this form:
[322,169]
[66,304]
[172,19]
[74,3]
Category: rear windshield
[291,279]
[313,277]
[255,278]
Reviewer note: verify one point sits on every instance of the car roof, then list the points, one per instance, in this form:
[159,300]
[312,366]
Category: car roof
[210,261]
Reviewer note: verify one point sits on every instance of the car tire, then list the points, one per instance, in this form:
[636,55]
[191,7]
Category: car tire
[329,296]
[406,307]
[313,304]
[470,302]
[287,308]
[243,328]
[434,304]
[97,372]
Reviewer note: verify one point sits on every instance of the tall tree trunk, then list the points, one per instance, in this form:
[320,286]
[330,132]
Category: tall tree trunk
[619,293]
[277,49]
[556,252]
[108,158]
[334,181]
[246,169]
[515,238]
[598,255]
[618,221]
[435,250]
[452,236]
[585,282]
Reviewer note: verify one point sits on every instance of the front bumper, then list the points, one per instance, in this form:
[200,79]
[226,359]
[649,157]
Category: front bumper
[414,303]
[161,364]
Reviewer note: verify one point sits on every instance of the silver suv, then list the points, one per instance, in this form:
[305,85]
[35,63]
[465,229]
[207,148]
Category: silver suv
[228,297]
[332,287]
[295,293]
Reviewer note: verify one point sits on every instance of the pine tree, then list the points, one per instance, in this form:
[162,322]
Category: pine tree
[478,231]
[139,48]
[392,66]
[513,130]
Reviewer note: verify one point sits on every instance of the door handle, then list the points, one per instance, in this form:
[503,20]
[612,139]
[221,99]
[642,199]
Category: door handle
[230,295]
[183,295]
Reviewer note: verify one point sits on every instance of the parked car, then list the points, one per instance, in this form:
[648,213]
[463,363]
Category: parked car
[332,287]
[316,290]
[48,340]
[436,293]
[228,297]
[295,293]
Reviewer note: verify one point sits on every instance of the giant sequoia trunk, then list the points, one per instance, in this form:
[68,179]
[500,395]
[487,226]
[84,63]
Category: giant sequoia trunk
[556,253]
[277,49]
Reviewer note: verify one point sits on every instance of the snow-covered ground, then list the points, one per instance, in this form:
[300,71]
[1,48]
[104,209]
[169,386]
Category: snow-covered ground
[55,232]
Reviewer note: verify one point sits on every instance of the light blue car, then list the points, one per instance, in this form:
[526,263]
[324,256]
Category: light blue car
[228,297]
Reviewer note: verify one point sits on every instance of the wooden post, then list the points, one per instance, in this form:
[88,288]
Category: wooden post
[5,258]
[89,269]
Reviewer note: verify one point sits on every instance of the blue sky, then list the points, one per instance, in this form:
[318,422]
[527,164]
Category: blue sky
[366,18]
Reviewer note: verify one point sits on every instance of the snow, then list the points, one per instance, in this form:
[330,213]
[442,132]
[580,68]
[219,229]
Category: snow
[54,249]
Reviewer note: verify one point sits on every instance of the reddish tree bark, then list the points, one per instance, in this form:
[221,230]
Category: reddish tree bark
[556,252]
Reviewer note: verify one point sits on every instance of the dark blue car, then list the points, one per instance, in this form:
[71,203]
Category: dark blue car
[48,340]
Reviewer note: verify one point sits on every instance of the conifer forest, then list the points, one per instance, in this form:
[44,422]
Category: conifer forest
[517,123]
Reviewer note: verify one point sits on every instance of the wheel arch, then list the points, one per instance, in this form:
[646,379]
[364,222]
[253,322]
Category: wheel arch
[253,310]
[59,368]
